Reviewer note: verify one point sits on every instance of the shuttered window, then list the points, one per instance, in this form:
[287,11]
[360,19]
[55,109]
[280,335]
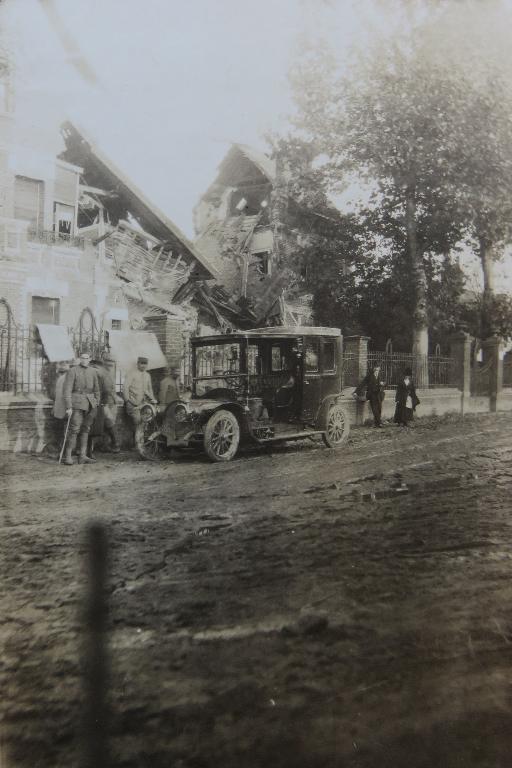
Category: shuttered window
[65,185]
[29,201]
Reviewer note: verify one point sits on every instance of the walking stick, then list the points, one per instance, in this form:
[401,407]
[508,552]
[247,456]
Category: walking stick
[65,438]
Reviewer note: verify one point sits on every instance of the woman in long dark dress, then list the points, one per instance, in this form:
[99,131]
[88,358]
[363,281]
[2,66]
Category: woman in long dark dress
[406,399]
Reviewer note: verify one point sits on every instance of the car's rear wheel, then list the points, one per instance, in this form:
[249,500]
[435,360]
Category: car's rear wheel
[336,426]
[222,436]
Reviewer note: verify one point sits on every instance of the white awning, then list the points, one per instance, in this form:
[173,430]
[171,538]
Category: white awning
[127,346]
[56,343]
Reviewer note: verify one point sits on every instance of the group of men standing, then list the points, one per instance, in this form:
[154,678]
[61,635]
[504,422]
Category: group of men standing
[80,391]
[85,395]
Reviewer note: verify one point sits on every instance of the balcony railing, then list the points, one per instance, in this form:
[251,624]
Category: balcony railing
[55,238]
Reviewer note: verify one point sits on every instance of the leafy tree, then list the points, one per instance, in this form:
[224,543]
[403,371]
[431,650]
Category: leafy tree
[434,141]
[397,123]
[358,282]
[358,277]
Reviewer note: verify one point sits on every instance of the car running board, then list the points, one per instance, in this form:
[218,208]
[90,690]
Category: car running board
[289,436]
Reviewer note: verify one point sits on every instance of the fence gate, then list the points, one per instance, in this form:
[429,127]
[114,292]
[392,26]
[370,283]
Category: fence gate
[482,377]
[87,337]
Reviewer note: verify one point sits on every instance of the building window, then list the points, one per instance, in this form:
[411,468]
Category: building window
[64,219]
[29,201]
[116,325]
[46,311]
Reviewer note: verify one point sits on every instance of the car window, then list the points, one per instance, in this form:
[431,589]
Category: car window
[216,359]
[278,359]
[311,356]
[254,359]
[329,356]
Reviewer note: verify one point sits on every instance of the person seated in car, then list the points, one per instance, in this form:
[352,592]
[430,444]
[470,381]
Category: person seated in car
[285,393]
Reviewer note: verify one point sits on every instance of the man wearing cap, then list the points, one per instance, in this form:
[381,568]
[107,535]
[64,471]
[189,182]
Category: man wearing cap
[138,390]
[169,386]
[81,397]
[105,370]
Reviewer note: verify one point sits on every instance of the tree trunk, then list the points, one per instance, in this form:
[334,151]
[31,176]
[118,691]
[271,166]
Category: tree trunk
[487,261]
[419,283]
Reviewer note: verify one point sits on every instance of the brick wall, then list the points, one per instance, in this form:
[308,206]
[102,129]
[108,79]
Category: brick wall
[170,334]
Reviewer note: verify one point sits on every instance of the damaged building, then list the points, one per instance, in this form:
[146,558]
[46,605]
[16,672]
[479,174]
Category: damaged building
[83,249]
[239,230]
[156,275]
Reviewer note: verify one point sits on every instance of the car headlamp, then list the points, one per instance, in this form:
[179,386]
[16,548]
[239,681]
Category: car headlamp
[180,412]
[147,412]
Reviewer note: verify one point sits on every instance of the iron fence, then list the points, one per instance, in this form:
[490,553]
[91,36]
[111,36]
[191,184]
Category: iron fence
[24,366]
[481,377]
[428,371]
[49,237]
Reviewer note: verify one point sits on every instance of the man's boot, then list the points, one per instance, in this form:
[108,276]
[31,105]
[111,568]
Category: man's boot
[114,445]
[83,457]
[139,440]
[70,447]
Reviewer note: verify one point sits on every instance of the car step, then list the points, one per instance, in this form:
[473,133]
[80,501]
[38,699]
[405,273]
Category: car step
[289,436]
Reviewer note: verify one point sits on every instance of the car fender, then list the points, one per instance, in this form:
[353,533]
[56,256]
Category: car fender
[237,409]
[324,406]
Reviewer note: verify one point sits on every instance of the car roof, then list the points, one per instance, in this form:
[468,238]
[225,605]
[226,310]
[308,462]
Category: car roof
[272,332]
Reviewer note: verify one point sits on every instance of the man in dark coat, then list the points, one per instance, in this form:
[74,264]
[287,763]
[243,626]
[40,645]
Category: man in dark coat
[81,397]
[105,421]
[374,391]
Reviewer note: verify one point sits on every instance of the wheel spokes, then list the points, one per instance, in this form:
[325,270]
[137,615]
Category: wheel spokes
[222,437]
[336,426]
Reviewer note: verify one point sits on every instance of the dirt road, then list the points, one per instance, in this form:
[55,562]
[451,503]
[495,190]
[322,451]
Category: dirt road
[302,609]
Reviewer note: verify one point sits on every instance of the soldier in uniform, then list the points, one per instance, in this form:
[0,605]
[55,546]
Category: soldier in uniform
[169,386]
[138,390]
[108,406]
[81,397]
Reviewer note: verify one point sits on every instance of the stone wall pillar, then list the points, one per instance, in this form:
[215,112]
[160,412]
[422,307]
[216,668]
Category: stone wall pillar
[491,357]
[460,351]
[355,354]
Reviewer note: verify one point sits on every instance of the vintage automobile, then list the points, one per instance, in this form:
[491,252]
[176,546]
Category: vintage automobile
[254,387]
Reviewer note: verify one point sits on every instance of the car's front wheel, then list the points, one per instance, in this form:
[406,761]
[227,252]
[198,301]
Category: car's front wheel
[152,446]
[222,436]
[336,426]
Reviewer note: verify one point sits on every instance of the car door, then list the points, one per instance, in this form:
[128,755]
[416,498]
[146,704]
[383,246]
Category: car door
[330,367]
[312,379]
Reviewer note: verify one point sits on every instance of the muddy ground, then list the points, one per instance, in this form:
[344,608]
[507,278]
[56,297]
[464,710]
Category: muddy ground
[301,609]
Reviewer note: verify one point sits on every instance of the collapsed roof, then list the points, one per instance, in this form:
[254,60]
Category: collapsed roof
[127,200]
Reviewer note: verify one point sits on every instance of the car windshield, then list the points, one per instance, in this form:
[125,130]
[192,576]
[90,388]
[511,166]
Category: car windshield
[216,366]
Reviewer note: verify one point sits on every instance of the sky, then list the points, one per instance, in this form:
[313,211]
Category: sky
[176,82]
